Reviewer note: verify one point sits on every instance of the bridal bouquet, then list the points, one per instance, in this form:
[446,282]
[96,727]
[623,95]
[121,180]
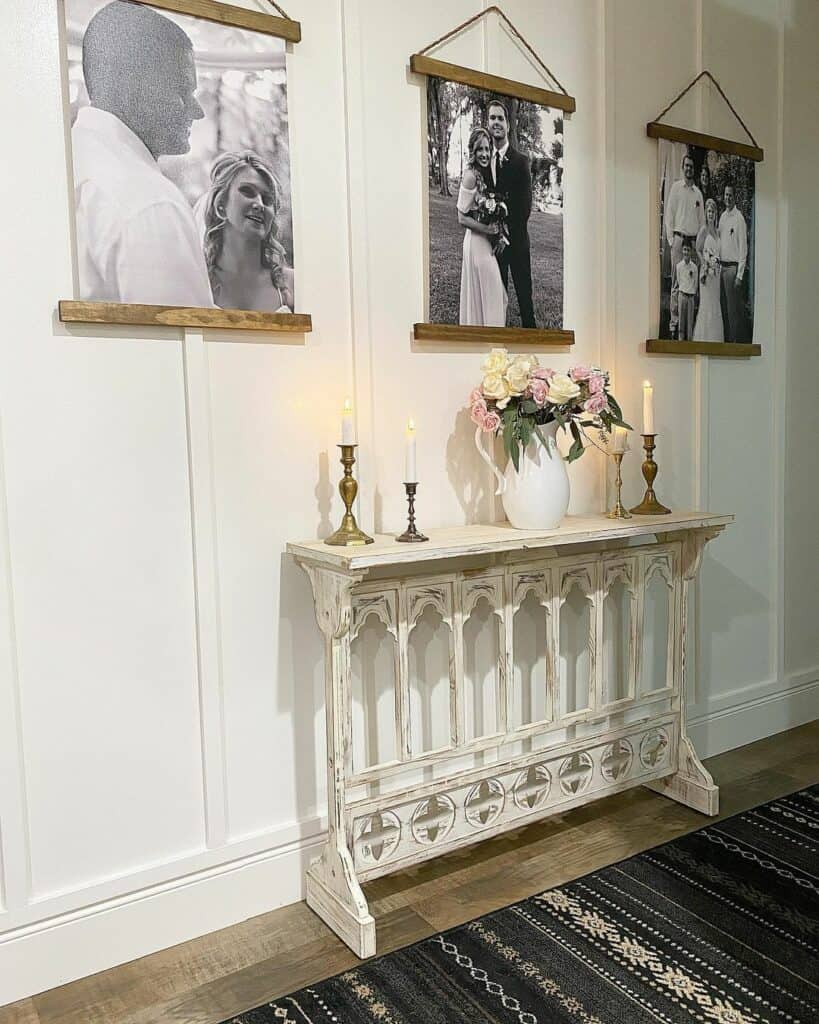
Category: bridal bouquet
[517,397]
[491,208]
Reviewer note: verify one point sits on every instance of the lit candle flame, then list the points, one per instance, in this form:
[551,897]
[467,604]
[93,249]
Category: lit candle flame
[348,405]
[411,426]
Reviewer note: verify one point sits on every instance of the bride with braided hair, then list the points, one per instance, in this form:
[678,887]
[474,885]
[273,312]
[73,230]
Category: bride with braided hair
[247,264]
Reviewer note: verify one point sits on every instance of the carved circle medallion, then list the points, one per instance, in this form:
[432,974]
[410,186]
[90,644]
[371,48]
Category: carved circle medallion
[575,773]
[432,819]
[654,748]
[615,763]
[532,787]
[377,836]
[484,803]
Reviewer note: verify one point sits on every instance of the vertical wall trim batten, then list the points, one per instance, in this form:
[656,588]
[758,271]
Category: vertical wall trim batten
[15,836]
[206,587]
[701,404]
[780,361]
[607,210]
[361,357]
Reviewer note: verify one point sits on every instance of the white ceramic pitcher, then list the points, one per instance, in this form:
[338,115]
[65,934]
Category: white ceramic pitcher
[535,497]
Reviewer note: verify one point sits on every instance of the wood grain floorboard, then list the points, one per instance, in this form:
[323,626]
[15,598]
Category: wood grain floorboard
[216,976]
[23,1012]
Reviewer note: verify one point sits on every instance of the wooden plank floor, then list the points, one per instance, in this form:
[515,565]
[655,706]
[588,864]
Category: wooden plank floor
[212,978]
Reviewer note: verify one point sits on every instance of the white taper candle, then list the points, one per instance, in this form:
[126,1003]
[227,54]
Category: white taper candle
[347,425]
[410,473]
[620,440]
[648,407]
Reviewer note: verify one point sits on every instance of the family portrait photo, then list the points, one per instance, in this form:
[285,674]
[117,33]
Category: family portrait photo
[495,189]
[181,159]
[706,244]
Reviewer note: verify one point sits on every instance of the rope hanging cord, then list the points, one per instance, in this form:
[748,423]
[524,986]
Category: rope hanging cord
[499,12]
[707,74]
[281,10]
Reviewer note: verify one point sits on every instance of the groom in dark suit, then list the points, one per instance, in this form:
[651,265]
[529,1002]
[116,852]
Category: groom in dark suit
[509,173]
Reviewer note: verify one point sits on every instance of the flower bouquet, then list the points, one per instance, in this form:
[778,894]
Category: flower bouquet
[491,208]
[517,397]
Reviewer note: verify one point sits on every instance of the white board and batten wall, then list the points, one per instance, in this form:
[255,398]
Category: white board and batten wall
[161,724]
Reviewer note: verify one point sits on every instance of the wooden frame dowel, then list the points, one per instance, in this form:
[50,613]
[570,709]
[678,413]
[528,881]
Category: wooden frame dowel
[656,130]
[228,14]
[78,312]
[494,335]
[723,349]
[422,65]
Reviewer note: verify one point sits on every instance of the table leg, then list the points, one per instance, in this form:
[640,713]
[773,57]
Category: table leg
[692,783]
[333,890]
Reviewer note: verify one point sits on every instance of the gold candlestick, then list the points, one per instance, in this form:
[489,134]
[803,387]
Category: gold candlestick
[649,506]
[411,534]
[348,534]
[619,511]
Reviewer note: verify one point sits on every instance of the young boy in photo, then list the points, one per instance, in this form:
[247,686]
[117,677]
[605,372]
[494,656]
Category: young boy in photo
[687,283]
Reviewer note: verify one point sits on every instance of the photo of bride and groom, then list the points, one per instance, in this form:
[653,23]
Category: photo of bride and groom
[495,209]
[179,138]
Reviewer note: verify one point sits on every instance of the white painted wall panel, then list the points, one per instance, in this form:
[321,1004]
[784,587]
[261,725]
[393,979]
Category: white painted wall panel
[276,412]
[99,532]
[739,592]
[801,538]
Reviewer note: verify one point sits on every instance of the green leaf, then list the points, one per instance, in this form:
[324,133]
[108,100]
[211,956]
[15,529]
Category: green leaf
[575,451]
[516,457]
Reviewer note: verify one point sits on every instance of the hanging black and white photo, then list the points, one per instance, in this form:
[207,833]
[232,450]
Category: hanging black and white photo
[495,184]
[706,244]
[181,159]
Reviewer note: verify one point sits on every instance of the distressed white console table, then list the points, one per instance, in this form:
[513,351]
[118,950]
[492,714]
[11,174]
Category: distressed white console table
[621,725]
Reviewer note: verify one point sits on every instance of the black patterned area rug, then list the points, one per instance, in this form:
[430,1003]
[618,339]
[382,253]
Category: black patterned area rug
[719,926]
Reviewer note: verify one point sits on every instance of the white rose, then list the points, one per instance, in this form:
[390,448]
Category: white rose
[496,386]
[562,389]
[518,376]
[496,362]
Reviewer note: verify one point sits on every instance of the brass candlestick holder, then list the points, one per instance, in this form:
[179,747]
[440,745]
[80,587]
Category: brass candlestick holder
[348,534]
[411,534]
[619,511]
[649,506]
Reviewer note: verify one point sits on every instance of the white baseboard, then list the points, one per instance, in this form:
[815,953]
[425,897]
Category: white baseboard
[75,945]
[761,715]
[115,931]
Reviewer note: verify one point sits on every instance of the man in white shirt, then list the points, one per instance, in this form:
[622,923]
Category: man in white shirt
[684,215]
[137,240]
[733,257]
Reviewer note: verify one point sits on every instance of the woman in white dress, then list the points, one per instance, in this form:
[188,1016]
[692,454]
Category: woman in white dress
[483,297]
[247,264]
[708,326]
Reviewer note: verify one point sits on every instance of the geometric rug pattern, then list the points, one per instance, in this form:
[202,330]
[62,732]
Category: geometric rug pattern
[719,926]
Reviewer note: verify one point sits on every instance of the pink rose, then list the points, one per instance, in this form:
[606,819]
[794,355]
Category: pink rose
[475,395]
[595,404]
[597,384]
[580,373]
[478,412]
[540,391]
[491,421]
[543,373]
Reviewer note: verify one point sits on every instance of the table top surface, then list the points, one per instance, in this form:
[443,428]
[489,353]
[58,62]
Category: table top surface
[492,538]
